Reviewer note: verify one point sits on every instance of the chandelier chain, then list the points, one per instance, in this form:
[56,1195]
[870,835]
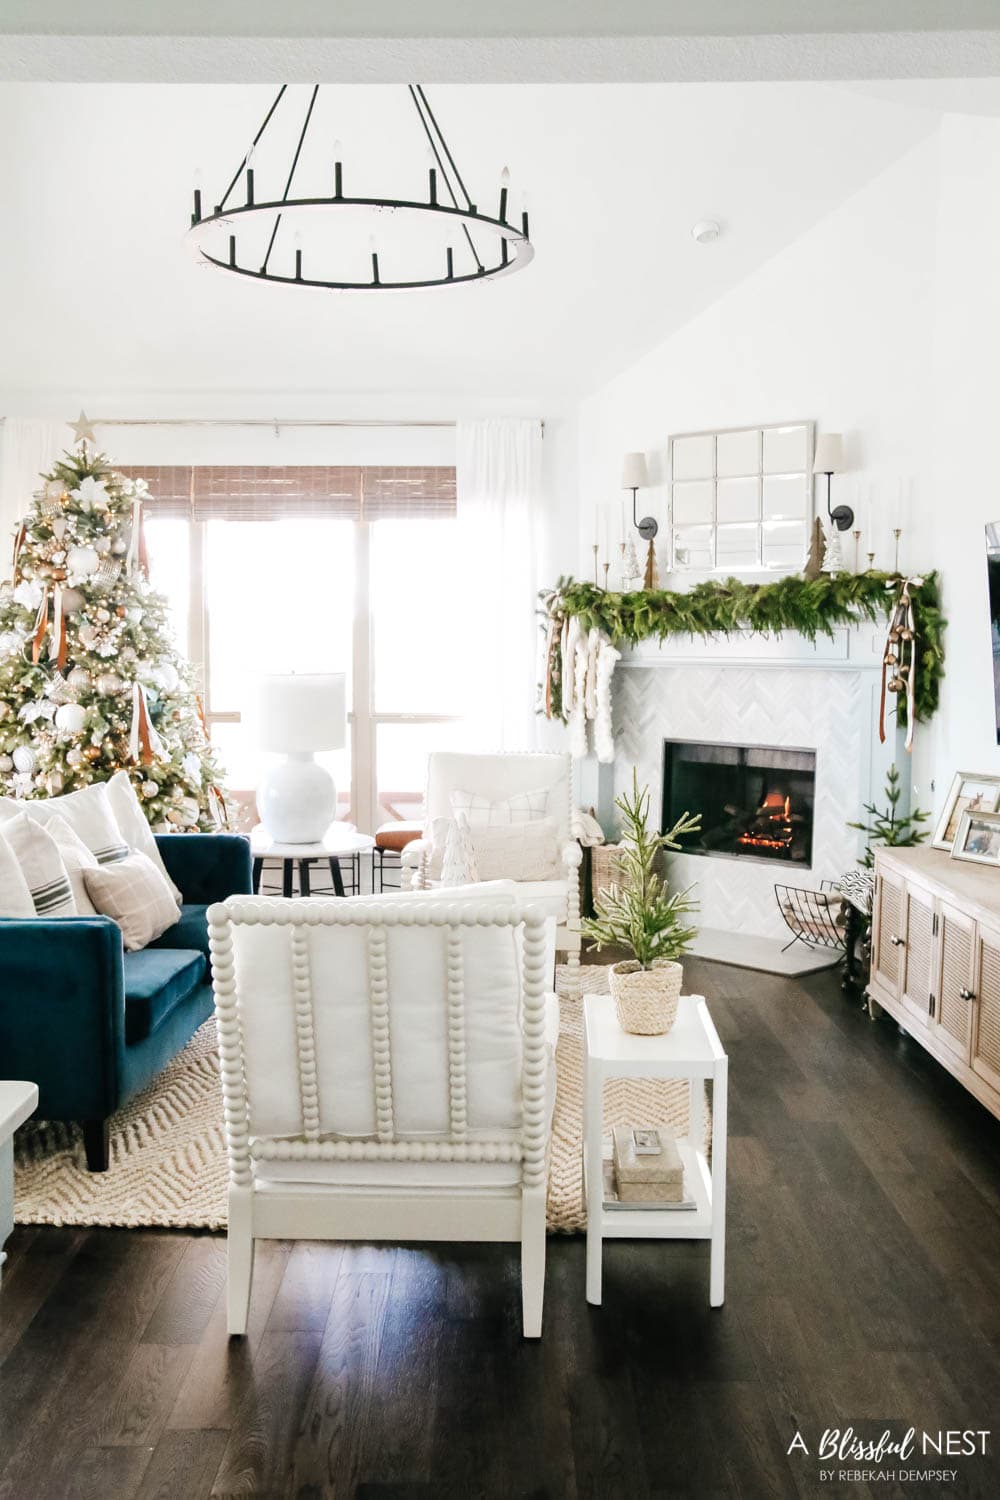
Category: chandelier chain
[422,103]
[291,174]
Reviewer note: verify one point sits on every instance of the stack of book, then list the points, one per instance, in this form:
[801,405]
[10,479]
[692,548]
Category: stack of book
[645,1170]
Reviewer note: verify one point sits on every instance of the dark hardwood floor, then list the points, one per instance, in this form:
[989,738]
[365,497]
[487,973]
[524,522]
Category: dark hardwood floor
[863,1290]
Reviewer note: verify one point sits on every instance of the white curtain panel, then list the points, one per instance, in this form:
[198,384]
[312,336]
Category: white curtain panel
[499,465]
[28,447]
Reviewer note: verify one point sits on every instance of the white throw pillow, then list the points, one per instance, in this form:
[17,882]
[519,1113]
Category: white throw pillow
[459,864]
[435,837]
[15,897]
[45,875]
[517,851]
[135,895]
[524,807]
[88,812]
[77,858]
[134,824]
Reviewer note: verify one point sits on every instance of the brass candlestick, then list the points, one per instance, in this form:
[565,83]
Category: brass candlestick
[607,568]
[621,565]
[857,538]
[596,546]
[871,561]
[897,532]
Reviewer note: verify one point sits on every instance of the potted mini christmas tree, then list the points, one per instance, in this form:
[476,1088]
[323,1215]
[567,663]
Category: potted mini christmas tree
[90,679]
[639,914]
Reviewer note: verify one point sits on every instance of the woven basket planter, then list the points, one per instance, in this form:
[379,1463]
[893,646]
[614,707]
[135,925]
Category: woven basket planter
[646,1000]
[605,870]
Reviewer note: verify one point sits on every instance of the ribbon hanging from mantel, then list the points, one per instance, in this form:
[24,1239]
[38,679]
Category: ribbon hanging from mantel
[899,659]
[40,627]
[144,743]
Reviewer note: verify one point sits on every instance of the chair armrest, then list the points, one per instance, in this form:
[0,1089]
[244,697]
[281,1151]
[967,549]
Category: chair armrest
[207,867]
[62,1012]
[571,855]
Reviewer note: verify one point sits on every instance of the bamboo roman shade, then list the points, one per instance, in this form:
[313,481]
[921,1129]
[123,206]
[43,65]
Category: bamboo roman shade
[297,491]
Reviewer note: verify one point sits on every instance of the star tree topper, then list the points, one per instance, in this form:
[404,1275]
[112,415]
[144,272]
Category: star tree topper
[83,430]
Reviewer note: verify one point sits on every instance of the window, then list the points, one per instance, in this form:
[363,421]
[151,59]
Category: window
[329,570]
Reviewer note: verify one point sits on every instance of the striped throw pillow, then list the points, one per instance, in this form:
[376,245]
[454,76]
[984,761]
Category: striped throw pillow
[88,812]
[42,866]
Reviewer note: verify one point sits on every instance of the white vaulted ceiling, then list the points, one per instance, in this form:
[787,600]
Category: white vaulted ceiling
[97,291]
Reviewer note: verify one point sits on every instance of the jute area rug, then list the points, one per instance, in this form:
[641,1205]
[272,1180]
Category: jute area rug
[168,1154]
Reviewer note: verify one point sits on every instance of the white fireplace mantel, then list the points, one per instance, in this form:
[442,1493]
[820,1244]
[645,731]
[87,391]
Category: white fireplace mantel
[856,648]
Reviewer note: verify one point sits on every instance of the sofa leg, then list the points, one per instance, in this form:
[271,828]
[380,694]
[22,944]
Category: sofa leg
[95,1144]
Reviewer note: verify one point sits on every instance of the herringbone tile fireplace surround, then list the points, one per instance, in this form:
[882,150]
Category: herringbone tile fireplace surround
[828,708]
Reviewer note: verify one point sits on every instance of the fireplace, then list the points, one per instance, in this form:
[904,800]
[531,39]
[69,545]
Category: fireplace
[756,801]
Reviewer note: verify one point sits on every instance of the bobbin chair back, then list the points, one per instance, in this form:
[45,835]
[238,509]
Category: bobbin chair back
[396,1045]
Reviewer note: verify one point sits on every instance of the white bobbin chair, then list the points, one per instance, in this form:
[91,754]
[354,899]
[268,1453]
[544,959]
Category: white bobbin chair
[387,1074]
[501,776]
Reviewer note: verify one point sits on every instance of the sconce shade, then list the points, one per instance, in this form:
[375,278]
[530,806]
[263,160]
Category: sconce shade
[302,712]
[829,455]
[634,473]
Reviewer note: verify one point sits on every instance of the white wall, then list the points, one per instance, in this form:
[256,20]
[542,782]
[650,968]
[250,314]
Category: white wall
[882,322]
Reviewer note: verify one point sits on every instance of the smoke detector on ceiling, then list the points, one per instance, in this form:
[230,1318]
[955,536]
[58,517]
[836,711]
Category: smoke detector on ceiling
[706,231]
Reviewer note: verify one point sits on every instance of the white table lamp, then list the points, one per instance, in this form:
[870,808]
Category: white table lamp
[300,714]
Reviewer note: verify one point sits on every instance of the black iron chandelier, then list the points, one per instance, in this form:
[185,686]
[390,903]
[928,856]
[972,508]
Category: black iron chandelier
[216,236]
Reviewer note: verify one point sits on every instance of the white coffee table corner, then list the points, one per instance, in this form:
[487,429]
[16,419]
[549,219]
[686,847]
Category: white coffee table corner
[17,1101]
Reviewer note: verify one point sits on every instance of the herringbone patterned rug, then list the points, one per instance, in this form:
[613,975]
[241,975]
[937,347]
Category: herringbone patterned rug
[168,1154]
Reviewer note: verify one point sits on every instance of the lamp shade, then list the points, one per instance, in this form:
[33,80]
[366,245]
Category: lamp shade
[634,473]
[829,455]
[300,713]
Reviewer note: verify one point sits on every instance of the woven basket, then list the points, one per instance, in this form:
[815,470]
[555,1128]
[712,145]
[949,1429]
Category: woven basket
[646,1000]
[605,870]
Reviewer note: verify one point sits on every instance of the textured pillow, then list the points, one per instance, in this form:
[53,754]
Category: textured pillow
[135,895]
[134,824]
[15,897]
[77,858]
[517,851]
[525,807]
[459,864]
[45,875]
[88,812]
[435,837]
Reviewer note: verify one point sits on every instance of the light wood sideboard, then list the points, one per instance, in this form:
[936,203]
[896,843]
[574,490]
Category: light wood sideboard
[936,960]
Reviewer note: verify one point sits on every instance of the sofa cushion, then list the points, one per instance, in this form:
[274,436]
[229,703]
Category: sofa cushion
[157,980]
[189,931]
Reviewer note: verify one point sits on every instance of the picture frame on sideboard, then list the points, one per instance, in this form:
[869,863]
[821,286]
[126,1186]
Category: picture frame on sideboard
[969,791]
[978,838]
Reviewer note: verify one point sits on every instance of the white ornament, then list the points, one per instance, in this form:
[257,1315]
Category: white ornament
[133,614]
[82,561]
[166,677]
[109,683]
[118,546]
[191,765]
[89,635]
[103,615]
[28,594]
[92,493]
[70,718]
[24,760]
[6,764]
[75,756]
[833,549]
[102,545]
[72,601]
[39,709]
[150,788]
[78,679]
[11,643]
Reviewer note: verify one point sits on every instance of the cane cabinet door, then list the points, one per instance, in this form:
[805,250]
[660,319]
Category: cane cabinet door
[986,1023]
[889,916]
[917,955]
[951,1023]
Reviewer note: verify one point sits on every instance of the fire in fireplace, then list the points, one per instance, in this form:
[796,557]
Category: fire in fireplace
[756,801]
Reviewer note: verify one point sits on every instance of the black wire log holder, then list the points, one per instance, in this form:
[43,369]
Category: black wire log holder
[811,916]
[515,247]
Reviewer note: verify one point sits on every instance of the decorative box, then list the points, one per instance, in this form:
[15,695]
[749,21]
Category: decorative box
[650,1176]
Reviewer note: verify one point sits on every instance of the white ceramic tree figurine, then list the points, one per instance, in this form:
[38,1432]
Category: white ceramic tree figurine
[90,678]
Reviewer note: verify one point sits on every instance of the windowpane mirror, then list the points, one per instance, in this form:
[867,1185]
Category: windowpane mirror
[741,499]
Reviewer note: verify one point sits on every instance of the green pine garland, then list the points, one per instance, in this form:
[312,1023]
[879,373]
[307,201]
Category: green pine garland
[812,606]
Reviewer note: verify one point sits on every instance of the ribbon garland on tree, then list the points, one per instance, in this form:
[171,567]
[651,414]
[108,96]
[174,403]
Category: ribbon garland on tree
[581,617]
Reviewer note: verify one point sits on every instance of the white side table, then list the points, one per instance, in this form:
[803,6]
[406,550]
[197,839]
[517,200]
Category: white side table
[691,1050]
[17,1102]
[341,841]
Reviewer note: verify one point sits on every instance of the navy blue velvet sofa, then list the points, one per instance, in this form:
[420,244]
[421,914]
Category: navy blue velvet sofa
[92,1024]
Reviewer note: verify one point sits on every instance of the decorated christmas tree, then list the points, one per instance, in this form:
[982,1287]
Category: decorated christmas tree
[90,678]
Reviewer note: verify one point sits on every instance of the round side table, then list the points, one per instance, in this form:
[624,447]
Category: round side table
[341,841]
